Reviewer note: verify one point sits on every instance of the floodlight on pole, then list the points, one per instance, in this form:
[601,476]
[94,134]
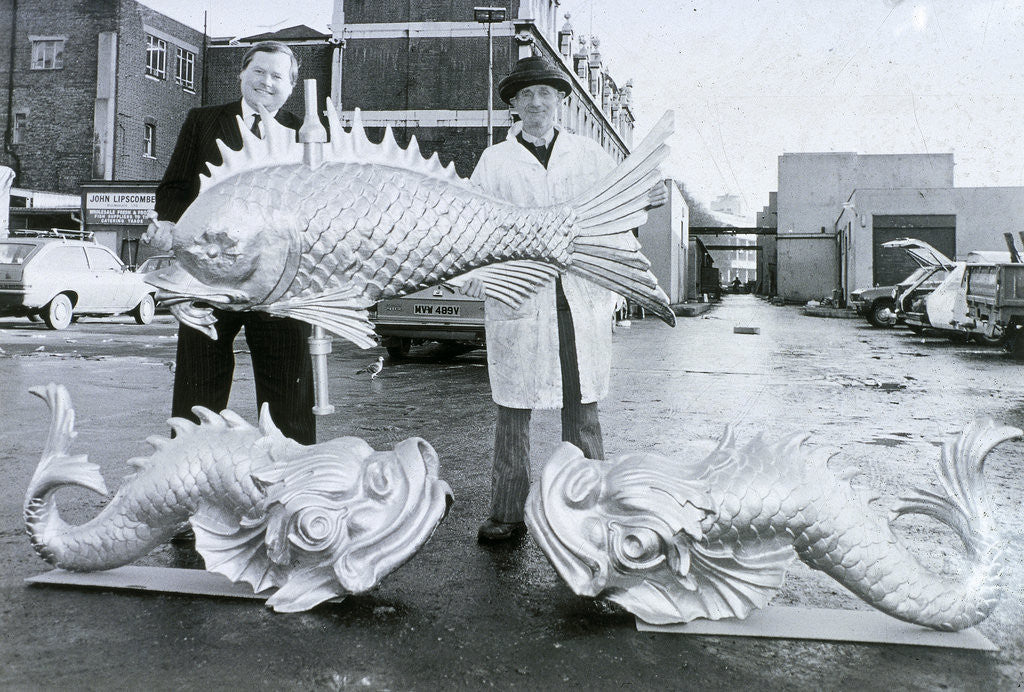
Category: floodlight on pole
[489,16]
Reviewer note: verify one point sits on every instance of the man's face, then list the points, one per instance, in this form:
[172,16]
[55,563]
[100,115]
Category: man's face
[267,80]
[538,106]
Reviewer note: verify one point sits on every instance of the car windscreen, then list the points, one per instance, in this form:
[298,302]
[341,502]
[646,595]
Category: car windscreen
[15,253]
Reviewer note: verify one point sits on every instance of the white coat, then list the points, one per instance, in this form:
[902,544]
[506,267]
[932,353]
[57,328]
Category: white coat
[522,344]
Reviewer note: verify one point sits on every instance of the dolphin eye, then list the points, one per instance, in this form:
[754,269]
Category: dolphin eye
[635,548]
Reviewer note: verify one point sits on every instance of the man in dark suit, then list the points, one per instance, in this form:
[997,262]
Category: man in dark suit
[279,347]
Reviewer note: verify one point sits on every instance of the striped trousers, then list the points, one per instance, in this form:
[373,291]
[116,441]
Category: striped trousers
[510,474]
[281,364]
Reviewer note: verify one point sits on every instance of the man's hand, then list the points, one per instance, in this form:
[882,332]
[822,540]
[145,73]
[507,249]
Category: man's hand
[474,288]
[657,196]
[159,234]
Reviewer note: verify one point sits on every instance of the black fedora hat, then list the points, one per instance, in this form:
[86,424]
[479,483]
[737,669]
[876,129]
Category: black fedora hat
[530,71]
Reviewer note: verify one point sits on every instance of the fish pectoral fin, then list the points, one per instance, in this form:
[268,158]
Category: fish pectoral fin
[234,548]
[511,282]
[341,312]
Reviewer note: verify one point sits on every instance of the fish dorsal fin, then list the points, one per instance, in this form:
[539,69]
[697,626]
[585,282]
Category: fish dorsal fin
[278,147]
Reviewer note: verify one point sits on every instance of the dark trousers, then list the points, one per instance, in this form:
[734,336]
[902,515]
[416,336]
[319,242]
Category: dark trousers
[510,475]
[281,364]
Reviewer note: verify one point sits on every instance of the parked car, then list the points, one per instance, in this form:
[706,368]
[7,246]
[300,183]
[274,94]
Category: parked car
[944,310]
[878,304]
[909,295]
[439,313]
[62,275]
[154,263]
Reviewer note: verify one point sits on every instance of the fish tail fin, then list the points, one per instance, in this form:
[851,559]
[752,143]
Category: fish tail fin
[605,251]
[56,469]
[962,501]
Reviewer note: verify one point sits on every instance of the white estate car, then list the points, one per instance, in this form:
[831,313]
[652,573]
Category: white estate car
[57,278]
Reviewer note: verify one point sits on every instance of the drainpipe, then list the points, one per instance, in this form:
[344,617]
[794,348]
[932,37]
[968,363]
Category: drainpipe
[9,132]
[338,52]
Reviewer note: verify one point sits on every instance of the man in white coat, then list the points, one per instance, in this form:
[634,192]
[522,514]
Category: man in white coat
[554,351]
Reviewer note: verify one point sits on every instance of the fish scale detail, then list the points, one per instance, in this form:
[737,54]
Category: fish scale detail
[323,243]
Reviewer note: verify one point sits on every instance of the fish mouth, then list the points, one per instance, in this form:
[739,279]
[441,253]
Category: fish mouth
[190,300]
[175,285]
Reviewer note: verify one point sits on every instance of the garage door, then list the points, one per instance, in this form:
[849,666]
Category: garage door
[892,266]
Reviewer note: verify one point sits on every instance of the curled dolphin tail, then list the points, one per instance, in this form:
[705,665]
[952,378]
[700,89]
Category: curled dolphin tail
[961,503]
[56,469]
[606,252]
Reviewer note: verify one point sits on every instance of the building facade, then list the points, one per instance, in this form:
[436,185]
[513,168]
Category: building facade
[813,187]
[956,220]
[93,90]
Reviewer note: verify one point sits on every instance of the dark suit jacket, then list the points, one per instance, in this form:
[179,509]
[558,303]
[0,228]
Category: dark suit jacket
[196,147]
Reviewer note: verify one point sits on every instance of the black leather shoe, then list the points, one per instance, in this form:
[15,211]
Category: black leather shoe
[493,531]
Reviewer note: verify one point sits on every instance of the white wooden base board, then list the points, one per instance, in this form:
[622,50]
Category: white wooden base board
[776,622]
[194,582]
[870,626]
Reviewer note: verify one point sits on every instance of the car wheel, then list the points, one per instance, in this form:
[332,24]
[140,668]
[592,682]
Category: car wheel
[59,312]
[882,314]
[990,340]
[399,348]
[1014,342]
[144,311]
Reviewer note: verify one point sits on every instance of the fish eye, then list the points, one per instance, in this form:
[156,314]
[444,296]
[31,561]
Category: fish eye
[635,548]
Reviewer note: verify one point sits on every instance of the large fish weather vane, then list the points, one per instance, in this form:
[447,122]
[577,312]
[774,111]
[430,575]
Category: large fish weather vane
[323,240]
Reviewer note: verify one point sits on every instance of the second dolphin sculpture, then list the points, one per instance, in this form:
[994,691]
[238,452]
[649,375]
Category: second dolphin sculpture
[315,522]
[674,540]
[322,243]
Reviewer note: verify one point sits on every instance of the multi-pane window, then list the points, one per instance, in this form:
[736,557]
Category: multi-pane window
[20,120]
[149,141]
[185,68]
[47,54]
[156,57]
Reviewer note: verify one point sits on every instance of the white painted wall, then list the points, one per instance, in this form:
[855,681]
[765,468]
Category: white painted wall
[812,190]
[665,239]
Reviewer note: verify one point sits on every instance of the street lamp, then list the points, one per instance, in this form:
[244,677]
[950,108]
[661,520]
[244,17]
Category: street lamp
[488,16]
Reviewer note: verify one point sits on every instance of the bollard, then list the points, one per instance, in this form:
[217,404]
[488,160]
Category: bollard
[319,347]
[312,135]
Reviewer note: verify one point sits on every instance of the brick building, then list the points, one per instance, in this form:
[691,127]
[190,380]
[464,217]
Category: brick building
[93,90]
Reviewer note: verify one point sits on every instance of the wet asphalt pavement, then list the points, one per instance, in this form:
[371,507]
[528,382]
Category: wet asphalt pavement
[462,616]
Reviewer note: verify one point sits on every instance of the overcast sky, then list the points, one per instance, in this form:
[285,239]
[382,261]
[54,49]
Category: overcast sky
[752,79]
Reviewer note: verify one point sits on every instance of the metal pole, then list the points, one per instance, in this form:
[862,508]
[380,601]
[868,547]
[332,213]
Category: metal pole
[313,135]
[490,84]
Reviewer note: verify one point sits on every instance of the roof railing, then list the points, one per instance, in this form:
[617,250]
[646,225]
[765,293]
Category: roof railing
[68,233]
